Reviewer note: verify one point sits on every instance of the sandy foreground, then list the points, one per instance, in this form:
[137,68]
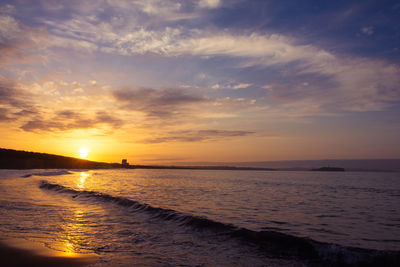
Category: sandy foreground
[22,253]
[19,252]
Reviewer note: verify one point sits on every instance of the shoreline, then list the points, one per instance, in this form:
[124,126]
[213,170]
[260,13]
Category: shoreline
[24,160]
[19,252]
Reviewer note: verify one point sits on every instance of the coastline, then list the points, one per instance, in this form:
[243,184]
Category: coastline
[19,252]
[24,160]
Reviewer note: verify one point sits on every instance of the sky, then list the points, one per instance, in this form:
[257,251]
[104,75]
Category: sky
[161,81]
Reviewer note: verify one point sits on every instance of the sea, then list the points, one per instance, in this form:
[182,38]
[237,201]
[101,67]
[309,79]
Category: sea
[168,217]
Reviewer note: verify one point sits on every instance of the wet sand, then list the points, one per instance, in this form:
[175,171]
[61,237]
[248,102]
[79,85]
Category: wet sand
[24,253]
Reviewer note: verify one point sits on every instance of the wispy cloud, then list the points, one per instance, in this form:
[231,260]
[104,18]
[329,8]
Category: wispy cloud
[346,83]
[241,86]
[66,120]
[4,115]
[187,71]
[35,108]
[231,86]
[209,3]
[14,102]
[359,83]
[18,42]
[10,95]
[164,103]
[197,136]
[367,30]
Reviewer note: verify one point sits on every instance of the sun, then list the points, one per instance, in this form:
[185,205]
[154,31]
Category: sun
[83,152]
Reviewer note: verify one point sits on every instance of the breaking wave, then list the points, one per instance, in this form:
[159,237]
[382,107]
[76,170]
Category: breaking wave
[50,173]
[272,243]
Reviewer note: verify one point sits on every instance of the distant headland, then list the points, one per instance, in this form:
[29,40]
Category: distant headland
[329,169]
[17,159]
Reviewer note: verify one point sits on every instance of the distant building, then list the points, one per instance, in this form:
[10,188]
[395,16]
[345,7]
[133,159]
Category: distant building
[125,162]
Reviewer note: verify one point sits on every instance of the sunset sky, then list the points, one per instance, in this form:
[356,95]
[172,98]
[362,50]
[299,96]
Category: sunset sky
[161,81]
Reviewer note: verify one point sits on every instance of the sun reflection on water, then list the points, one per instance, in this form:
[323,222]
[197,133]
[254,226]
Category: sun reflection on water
[74,242]
[82,179]
[68,250]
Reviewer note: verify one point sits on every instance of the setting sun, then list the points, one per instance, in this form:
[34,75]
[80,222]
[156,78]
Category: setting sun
[83,152]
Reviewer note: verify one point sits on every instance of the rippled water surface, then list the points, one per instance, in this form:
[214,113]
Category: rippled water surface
[350,209]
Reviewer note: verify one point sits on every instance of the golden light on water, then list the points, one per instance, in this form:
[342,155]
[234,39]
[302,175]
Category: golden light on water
[82,179]
[68,250]
[73,230]
[83,152]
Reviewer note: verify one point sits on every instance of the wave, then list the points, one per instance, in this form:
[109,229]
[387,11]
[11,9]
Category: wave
[272,243]
[52,173]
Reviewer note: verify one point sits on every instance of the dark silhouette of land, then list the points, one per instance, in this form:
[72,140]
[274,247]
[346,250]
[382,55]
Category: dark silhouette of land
[232,168]
[329,169]
[350,165]
[16,159]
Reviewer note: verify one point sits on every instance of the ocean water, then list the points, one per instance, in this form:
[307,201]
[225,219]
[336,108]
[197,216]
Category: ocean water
[205,217]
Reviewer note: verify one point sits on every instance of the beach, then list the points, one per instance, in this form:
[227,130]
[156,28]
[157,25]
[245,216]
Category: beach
[24,253]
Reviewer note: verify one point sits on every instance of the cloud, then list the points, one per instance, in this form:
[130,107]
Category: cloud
[209,3]
[241,86]
[68,114]
[9,95]
[156,11]
[197,136]
[367,30]
[165,103]
[143,41]
[267,49]
[106,118]
[18,105]
[39,124]
[231,86]
[346,83]
[233,104]
[18,41]
[356,84]
[66,120]
[7,9]
[14,102]
[125,28]
[4,115]
[154,7]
